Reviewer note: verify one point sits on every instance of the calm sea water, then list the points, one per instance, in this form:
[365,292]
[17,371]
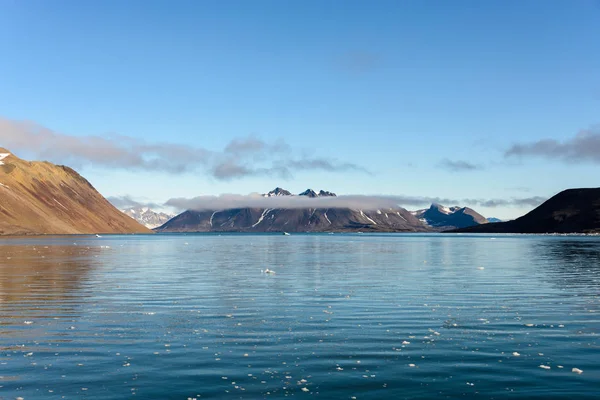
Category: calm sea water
[345,316]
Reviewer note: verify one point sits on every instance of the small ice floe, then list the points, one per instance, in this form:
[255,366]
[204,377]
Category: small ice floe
[412,365]
[98,236]
[577,370]
[28,322]
[405,342]
[515,354]
[305,389]
[268,271]
[529,325]
[480,268]
[544,366]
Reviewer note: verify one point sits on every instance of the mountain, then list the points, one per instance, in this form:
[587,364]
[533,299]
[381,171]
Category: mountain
[278,192]
[43,198]
[444,218]
[570,211]
[492,219]
[147,217]
[294,220]
[309,193]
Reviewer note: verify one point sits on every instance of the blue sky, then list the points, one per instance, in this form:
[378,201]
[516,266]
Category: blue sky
[415,98]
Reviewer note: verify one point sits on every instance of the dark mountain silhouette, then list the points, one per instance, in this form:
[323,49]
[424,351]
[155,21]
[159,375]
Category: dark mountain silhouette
[570,211]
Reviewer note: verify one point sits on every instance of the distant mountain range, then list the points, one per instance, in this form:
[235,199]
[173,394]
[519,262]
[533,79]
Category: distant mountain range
[43,198]
[395,219]
[442,218]
[149,218]
[570,211]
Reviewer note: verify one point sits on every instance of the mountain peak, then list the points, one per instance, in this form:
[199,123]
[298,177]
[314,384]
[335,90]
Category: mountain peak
[324,193]
[309,193]
[278,192]
[438,215]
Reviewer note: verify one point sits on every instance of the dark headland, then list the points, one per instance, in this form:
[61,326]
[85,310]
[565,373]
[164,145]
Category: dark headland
[570,211]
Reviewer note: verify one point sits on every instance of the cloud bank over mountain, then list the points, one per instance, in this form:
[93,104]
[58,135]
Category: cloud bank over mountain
[359,202]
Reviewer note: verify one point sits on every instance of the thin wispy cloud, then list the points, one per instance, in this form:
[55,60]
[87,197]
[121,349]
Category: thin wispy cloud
[126,201]
[242,157]
[459,166]
[519,189]
[357,202]
[326,165]
[255,148]
[533,201]
[583,147]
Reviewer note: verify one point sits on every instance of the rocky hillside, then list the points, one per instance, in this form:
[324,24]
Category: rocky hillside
[570,211]
[295,220]
[43,198]
[444,218]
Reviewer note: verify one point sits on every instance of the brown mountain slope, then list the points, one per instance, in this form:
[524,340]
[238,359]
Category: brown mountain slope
[43,198]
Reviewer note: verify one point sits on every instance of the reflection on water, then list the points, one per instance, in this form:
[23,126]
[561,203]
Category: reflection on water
[573,264]
[46,275]
[365,316]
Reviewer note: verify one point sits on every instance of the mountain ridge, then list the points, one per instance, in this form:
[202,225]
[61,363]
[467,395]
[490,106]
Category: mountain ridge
[306,219]
[569,211]
[39,197]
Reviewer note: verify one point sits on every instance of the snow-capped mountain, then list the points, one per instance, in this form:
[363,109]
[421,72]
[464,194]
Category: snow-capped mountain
[147,217]
[277,192]
[441,218]
[395,219]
